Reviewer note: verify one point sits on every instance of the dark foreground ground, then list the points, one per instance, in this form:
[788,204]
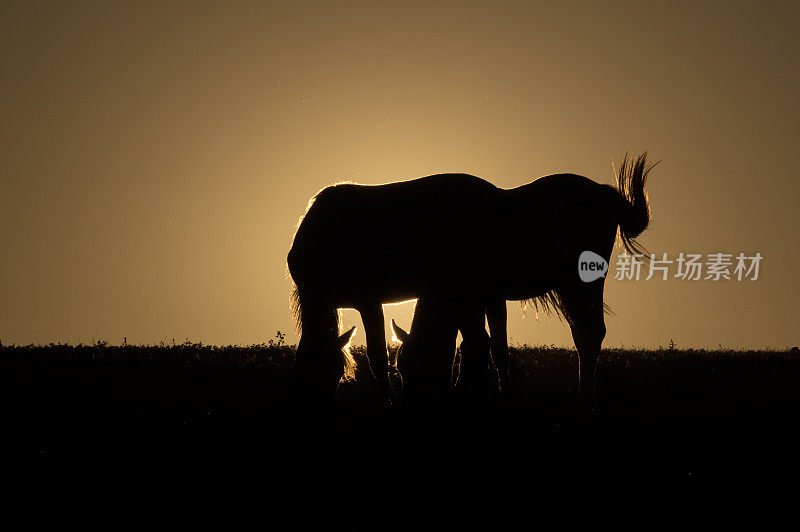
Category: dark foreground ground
[192,436]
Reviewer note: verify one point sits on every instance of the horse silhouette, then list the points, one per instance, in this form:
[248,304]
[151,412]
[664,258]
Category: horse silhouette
[456,240]
[424,360]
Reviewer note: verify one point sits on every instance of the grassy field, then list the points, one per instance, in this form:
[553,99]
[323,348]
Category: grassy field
[199,434]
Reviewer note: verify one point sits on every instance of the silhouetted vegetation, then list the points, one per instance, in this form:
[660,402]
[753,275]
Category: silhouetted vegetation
[678,434]
[539,371]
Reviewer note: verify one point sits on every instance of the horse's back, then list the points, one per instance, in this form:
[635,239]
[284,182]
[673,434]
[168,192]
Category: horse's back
[435,188]
[396,234]
[555,217]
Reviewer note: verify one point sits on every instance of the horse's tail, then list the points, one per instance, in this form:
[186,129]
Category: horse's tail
[634,207]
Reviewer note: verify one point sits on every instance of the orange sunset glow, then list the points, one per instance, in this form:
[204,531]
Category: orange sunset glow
[156,158]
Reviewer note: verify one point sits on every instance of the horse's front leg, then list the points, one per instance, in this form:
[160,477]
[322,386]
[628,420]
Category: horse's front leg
[497,316]
[372,317]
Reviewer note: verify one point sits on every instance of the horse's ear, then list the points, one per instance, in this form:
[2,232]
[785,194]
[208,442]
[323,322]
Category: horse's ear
[399,333]
[345,338]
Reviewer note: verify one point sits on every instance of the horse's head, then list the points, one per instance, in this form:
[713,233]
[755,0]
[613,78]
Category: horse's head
[423,360]
[321,362]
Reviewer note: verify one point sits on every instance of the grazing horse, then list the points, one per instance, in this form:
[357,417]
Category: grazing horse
[458,239]
[426,354]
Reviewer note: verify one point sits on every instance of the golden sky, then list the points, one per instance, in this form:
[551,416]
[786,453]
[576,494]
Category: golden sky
[155,156]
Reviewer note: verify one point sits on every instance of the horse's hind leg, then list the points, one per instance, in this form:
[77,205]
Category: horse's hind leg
[583,306]
[497,315]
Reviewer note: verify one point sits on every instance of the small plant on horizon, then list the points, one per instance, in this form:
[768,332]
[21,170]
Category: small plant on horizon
[279,341]
[671,344]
